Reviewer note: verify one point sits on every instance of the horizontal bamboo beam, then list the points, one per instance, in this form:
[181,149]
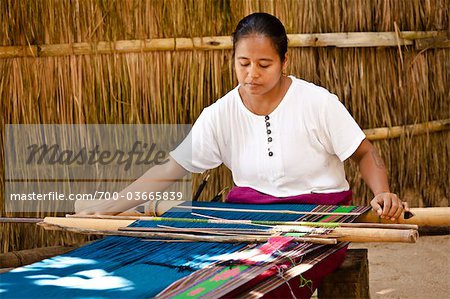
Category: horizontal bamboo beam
[183,237]
[342,234]
[416,129]
[432,43]
[345,39]
[348,234]
[438,216]
[279,224]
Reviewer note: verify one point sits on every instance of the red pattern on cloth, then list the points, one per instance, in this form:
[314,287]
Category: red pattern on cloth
[274,244]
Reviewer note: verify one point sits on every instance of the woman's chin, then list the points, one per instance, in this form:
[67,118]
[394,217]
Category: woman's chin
[254,90]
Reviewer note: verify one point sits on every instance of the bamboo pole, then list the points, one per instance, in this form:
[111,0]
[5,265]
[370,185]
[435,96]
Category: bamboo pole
[256,210]
[103,224]
[416,129]
[434,42]
[346,39]
[439,216]
[207,231]
[348,234]
[211,221]
[179,236]
[93,219]
[20,220]
[422,216]
[344,234]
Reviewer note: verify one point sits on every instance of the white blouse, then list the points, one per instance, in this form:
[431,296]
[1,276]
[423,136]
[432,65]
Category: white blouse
[298,149]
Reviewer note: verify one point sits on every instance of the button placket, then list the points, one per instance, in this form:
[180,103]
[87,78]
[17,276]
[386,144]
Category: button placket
[269,137]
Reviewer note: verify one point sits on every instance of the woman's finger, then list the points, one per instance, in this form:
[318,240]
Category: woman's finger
[386,206]
[376,206]
[399,210]
[395,204]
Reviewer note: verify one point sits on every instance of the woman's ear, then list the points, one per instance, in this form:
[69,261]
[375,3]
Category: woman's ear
[284,64]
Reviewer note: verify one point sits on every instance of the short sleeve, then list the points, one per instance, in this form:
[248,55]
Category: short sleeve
[341,134]
[199,151]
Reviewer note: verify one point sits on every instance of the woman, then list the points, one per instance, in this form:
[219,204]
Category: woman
[284,139]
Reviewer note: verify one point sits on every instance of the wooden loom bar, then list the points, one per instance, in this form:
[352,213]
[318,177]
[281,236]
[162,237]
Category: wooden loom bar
[348,234]
[20,220]
[341,39]
[196,220]
[314,224]
[96,226]
[19,258]
[439,216]
[179,236]
[343,234]
[264,211]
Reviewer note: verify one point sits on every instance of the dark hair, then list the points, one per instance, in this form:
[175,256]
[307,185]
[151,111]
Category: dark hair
[264,24]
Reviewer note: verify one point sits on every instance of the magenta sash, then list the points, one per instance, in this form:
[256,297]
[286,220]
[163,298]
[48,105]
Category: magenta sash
[251,196]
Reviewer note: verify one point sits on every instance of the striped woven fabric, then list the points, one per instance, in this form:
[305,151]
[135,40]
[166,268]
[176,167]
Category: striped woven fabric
[134,268]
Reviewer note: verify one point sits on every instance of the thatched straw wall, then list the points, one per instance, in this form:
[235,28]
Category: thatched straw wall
[382,87]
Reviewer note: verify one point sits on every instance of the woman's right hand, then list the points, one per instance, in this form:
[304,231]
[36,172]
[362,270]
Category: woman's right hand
[157,178]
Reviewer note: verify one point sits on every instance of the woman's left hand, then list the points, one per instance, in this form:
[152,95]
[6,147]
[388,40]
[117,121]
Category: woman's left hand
[388,205]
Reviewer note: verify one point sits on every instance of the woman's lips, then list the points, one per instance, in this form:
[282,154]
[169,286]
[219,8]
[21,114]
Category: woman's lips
[253,85]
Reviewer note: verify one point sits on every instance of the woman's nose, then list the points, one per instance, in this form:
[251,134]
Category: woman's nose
[253,71]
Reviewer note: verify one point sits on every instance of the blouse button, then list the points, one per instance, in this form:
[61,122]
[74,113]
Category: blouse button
[269,132]
[269,139]
[267,117]
[270,154]
[267,124]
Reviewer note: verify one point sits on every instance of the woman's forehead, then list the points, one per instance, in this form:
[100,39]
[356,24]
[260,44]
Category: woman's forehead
[255,46]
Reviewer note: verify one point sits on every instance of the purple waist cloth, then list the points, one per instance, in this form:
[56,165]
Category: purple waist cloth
[249,195]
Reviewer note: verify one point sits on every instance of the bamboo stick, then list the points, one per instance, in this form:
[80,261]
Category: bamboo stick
[295,223]
[103,224]
[422,216]
[348,234]
[417,129]
[265,211]
[179,236]
[346,39]
[92,218]
[344,234]
[434,42]
[439,216]
[125,218]
[201,230]
[20,220]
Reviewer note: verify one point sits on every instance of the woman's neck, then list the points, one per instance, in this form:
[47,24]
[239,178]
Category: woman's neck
[266,103]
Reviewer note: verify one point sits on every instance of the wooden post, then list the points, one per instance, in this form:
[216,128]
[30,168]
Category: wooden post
[350,280]
[15,259]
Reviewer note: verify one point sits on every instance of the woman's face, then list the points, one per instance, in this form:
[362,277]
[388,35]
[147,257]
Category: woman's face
[258,65]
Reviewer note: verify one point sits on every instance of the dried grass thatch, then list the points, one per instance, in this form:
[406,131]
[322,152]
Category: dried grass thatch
[382,87]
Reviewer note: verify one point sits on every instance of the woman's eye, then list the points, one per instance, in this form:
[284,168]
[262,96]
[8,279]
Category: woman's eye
[265,66]
[245,64]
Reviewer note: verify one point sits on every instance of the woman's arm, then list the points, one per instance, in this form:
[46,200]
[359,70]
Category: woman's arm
[157,178]
[373,171]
